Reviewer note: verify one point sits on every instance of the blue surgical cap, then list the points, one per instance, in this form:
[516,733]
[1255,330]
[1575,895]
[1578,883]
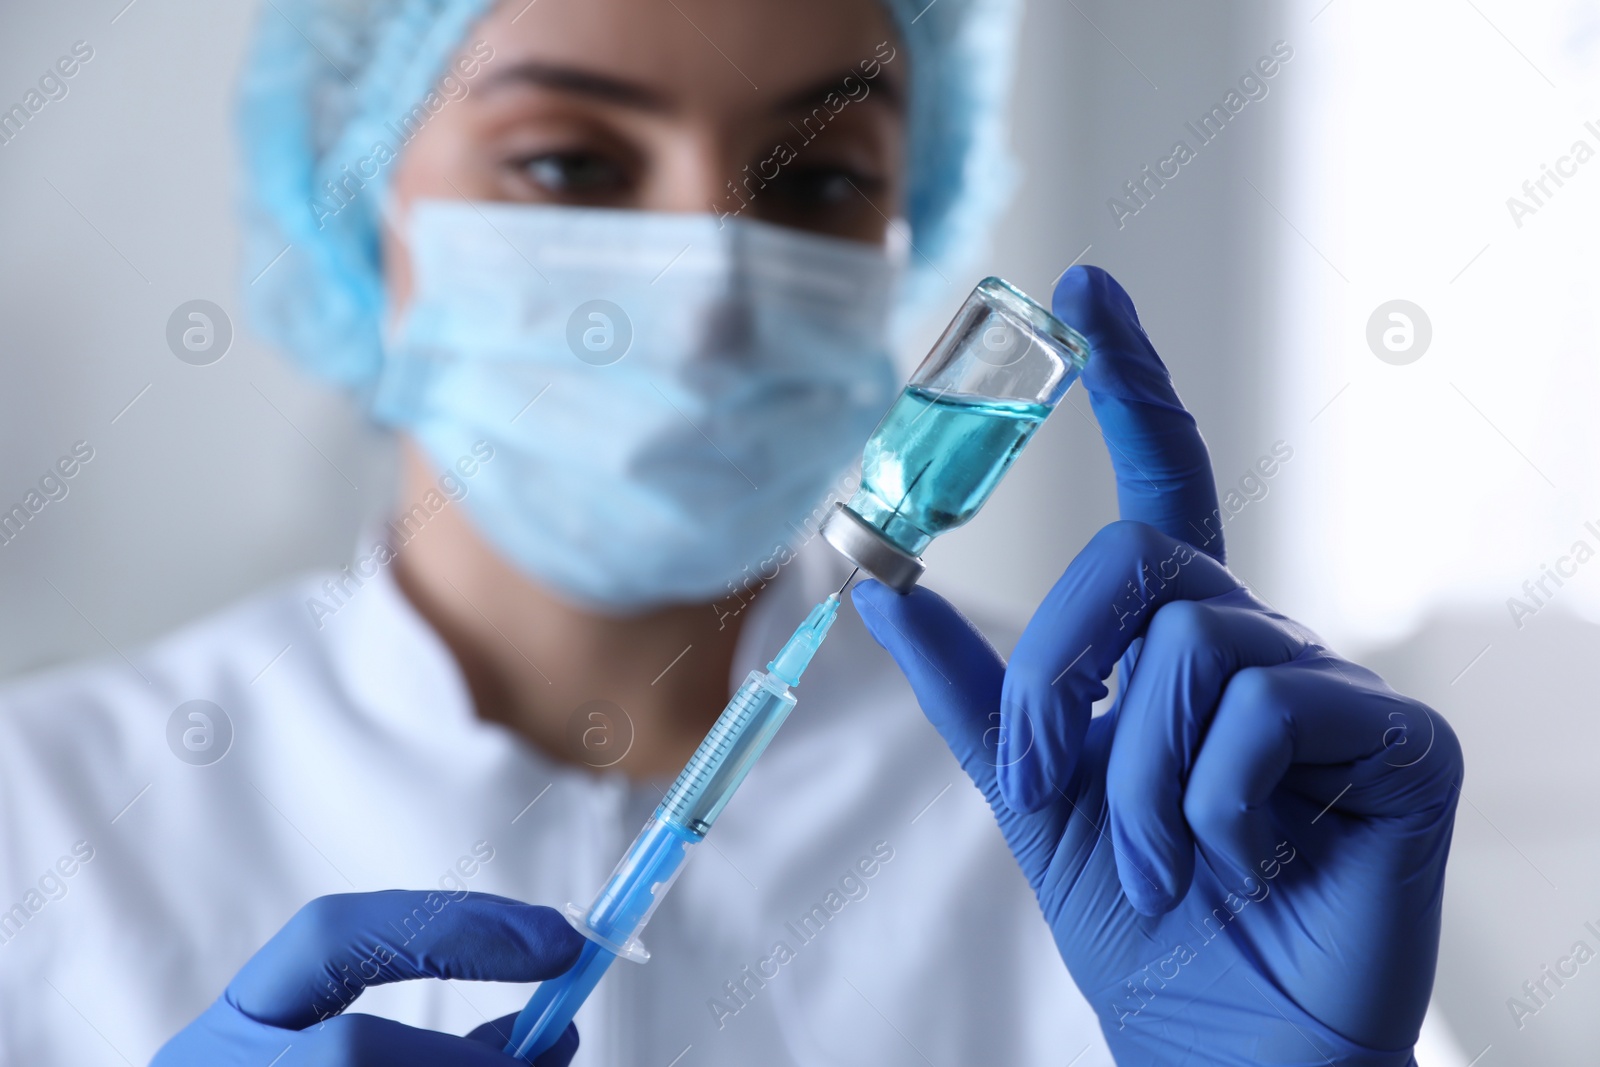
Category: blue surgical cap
[331,85]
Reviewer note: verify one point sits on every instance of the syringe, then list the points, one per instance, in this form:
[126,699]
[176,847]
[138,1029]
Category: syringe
[684,816]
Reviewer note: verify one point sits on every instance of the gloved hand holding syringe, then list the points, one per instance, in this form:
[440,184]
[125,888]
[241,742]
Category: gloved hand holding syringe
[996,373]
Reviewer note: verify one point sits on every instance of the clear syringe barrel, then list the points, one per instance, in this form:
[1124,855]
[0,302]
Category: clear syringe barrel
[652,863]
[712,775]
[727,753]
[640,881]
[612,924]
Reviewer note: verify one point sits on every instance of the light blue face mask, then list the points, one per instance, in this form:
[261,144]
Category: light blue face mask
[667,396]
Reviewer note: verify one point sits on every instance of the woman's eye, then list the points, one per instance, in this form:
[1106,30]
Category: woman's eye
[823,187]
[574,173]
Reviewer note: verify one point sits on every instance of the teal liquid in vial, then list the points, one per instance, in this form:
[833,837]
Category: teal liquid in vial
[936,458]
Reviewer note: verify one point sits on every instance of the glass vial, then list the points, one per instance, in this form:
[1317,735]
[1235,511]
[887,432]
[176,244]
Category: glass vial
[1001,367]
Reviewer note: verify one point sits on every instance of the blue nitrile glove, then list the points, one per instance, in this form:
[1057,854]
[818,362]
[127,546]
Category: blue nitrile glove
[284,1007]
[1243,861]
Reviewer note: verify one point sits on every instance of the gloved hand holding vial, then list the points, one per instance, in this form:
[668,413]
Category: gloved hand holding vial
[998,371]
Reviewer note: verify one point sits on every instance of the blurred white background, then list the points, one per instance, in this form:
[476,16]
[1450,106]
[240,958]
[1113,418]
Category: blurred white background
[1377,167]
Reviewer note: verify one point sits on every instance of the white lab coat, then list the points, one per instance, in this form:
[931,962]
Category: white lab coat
[357,763]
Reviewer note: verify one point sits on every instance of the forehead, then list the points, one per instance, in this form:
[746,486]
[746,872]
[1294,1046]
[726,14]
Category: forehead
[728,55]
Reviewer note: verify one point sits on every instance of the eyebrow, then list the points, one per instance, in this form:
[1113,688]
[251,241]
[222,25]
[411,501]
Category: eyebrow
[631,94]
[582,82]
[818,91]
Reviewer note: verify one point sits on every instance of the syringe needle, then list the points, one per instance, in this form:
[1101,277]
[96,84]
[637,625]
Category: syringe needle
[847,582]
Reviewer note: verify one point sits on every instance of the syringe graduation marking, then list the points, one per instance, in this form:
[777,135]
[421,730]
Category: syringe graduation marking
[687,793]
[747,723]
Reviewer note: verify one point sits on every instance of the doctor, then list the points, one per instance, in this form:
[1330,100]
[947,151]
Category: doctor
[620,276]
